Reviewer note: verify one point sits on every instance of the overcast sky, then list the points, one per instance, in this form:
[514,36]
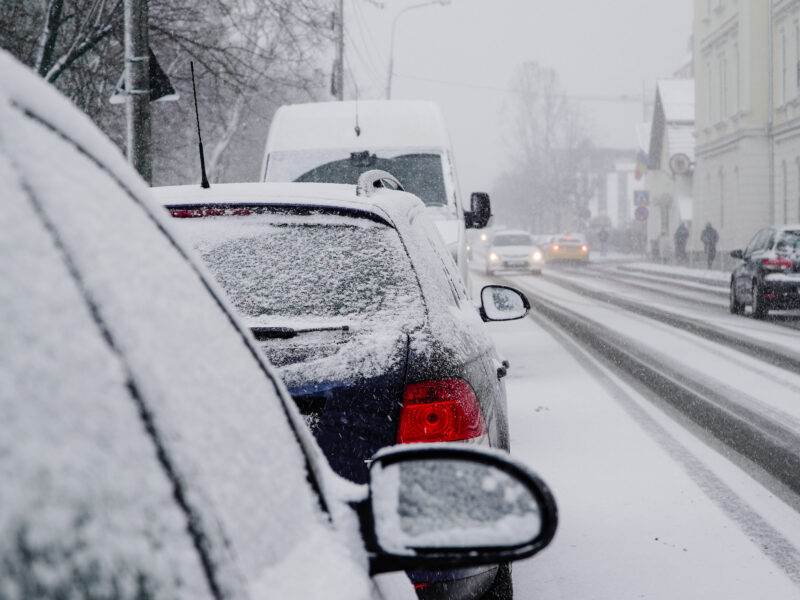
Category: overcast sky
[463,55]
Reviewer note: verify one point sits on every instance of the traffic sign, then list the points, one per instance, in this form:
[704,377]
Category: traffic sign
[641,198]
[641,213]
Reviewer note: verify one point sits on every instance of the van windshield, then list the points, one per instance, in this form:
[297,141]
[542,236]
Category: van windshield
[420,173]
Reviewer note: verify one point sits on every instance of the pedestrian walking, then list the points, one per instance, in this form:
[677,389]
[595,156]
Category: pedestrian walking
[603,238]
[709,237]
[681,237]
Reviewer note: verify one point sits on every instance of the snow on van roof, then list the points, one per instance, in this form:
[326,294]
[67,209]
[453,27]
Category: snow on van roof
[382,124]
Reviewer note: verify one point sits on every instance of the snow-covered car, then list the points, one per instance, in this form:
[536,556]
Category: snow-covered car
[353,296]
[571,247]
[514,250]
[149,450]
[768,278]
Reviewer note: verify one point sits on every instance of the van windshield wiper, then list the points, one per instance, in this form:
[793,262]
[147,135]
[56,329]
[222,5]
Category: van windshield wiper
[285,333]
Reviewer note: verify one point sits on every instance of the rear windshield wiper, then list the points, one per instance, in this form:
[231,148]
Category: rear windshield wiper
[285,333]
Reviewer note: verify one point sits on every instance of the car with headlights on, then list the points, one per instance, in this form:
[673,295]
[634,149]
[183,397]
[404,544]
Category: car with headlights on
[353,296]
[568,247]
[150,451]
[768,278]
[514,251]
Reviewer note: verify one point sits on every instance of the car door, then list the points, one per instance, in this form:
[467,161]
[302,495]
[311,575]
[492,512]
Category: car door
[745,273]
[478,353]
[171,463]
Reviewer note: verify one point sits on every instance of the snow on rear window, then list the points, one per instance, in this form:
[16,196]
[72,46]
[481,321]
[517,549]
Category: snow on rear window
[279,269]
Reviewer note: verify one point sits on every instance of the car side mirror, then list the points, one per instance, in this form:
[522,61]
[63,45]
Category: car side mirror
[503,303]
[480,211]
[737,254]
[437,506]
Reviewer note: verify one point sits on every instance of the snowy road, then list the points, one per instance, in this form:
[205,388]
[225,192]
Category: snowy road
[651,505]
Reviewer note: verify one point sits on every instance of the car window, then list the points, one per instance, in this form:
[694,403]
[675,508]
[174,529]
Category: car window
[513,240]
[86,505]
[421,173]
[279,268]
[754,246]
[210,401]
[764,240]
[788,241]
[444,269]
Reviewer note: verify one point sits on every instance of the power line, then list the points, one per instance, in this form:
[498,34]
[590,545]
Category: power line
[506,90]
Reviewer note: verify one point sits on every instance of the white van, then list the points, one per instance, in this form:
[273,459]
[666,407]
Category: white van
[334,142]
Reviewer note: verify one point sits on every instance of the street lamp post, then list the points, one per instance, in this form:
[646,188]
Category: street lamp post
[391,43]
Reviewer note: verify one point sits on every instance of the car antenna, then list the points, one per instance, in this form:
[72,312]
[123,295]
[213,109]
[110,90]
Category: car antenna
[357,127]
[204,181]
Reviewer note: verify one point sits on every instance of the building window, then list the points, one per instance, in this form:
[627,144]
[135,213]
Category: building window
[797,58]
[723,87]
[785,175]
[738,93]
[797,161]
[721,199]
[784,69]
[711,94]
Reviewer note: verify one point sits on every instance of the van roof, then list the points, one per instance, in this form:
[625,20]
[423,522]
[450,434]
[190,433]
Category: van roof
[382,123]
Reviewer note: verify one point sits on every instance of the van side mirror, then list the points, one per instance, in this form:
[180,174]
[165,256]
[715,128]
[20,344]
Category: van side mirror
[480,213]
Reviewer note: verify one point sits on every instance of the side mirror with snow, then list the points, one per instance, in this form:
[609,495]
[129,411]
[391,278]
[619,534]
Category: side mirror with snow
[503,303]
[433,506]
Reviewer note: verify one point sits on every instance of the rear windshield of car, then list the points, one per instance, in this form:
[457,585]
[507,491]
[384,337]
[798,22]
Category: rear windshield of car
[513,240]
[788,241]
[421,173]
[569,240]
[315,268]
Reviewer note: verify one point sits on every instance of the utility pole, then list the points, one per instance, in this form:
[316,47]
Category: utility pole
[339,66]
[137,86]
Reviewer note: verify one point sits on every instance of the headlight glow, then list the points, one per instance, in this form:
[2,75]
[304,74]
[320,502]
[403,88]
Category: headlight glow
[493,257]
[536,256]
[484,237]
[585,248]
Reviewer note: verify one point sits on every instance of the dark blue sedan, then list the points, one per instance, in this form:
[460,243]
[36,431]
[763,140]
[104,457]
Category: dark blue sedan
[357,302]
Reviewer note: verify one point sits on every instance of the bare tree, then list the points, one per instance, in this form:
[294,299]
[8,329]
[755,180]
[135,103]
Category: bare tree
[251,55]
[548,143]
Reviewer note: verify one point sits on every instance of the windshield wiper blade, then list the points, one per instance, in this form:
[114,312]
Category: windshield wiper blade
[285,333]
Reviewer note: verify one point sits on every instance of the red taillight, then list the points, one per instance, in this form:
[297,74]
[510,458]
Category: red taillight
[778,263]
[445,410]
[555,248]
[585,248]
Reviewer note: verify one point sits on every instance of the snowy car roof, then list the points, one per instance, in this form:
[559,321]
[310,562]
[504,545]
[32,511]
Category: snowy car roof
[387,204]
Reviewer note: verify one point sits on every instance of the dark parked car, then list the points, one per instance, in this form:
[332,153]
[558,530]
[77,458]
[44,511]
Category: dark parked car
[769,276]
[148,449]
[355,299]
